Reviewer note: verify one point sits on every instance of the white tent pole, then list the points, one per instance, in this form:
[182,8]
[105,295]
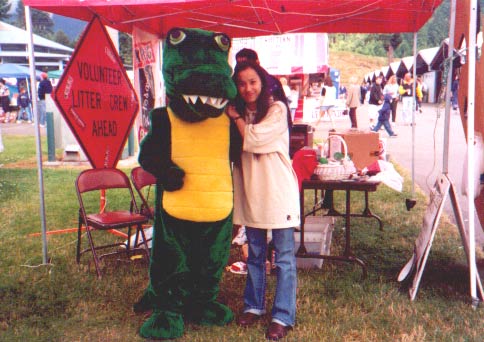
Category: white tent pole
[413,109]
[450,72]
[471,60]
[28,24]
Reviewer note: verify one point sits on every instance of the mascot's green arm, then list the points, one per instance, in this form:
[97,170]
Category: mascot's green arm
[155,152]
[235,143]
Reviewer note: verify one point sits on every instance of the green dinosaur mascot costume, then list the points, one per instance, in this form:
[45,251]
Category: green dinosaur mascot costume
[187,149]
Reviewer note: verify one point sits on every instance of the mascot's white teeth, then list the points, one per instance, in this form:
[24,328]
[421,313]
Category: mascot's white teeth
[212,101]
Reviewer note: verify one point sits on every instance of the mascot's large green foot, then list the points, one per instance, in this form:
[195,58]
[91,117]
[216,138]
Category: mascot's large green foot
[212,313]
[163,325]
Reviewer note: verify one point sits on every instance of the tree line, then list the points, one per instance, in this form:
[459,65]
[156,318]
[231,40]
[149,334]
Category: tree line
[398,45]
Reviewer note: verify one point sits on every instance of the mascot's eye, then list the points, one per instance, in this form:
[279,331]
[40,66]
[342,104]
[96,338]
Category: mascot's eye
[177,36]
[222,41]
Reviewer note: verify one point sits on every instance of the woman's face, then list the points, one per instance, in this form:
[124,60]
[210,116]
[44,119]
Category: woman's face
[249,85]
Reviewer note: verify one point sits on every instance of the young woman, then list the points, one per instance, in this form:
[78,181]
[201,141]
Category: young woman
[328,96]
[408,104]
[392,88]
[266,196]
[375,100]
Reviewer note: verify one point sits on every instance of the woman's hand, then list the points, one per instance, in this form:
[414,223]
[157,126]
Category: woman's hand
[232,112]
[236,118]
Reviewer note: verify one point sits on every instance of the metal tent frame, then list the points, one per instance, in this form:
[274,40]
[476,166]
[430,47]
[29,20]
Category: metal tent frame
[241,18]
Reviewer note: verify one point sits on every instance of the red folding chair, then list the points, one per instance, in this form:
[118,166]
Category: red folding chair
[112,217]
[143,179]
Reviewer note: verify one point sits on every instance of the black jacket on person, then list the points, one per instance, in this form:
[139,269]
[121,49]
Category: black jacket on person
[376,94]
[23,100]
[45,87]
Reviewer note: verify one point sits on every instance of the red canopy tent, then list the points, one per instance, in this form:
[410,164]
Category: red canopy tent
[247,18]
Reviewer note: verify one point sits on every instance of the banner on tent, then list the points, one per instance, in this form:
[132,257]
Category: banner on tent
[295,53]
[147,78]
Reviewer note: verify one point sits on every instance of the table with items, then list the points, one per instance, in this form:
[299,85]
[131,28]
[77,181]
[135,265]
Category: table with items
[327,187]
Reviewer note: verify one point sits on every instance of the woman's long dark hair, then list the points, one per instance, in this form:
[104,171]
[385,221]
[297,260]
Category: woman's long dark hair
[268,94]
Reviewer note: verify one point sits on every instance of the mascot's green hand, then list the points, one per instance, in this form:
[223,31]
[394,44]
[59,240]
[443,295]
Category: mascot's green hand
[173,179]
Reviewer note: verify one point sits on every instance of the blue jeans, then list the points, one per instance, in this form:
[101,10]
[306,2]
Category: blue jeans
[454,101]
[407,109]
[284,306]
[23,110]
[42,110]
[385,124]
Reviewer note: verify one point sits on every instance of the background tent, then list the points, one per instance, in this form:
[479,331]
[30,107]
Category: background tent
[55,73]
[8,70]
[406,65]
[442,54]
[394,68]
[386,71]
[424,59]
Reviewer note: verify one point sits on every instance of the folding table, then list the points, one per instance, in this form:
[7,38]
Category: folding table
[329,186]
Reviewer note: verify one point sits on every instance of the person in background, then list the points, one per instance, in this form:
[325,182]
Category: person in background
[454,88]
[375,100]
[419,94]
[342,91]
[425,90]
[260,203]
[353,100]
[406,91]
[23,102]
[1,143]
[328,96]
[363,90]
[315,90]
[5,100]
[248,55]
[285,87]
[45,87]
[294,101]
[392,88]
[384,116]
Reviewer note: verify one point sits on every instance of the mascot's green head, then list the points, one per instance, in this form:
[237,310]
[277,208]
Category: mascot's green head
[197,74]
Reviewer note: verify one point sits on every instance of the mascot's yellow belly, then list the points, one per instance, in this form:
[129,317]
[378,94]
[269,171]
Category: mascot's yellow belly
[201,149]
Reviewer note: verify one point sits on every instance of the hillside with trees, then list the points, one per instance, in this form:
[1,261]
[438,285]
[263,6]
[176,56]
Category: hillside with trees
[400,44]
[354,64]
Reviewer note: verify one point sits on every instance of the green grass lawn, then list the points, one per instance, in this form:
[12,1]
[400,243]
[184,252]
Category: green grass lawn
[64,301]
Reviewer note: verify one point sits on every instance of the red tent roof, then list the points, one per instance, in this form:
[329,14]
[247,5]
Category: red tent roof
[245,18]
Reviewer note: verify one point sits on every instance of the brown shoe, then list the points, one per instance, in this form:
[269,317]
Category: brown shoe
[248,319]
[276,331]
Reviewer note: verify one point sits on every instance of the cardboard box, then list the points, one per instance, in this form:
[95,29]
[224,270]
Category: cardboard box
[363,146]
[301,136]
[318,231]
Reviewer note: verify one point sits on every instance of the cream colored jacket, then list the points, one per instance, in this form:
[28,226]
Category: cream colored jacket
[353,98]
[266,193]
